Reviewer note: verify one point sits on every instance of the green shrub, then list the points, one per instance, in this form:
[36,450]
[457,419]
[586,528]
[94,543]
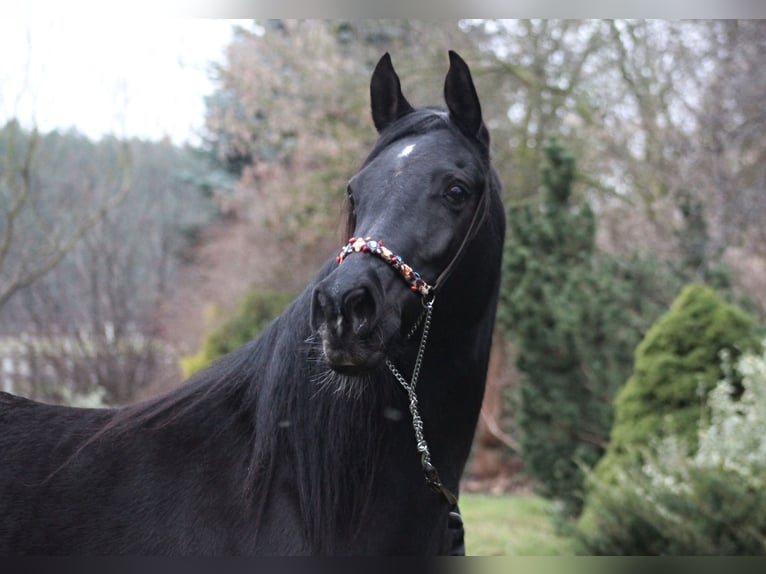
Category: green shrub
[677,364]
[257,310]
[708,500]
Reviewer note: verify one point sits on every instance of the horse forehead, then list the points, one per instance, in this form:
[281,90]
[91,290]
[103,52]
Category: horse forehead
[422,154]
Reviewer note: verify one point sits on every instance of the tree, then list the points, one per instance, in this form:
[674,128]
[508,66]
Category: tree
[538,74]
[679,104]
[90,323]
[676,365]
[34,238]
[575,319]
[684,500]
[654,110]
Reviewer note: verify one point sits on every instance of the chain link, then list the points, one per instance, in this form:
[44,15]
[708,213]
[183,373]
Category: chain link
[417,422]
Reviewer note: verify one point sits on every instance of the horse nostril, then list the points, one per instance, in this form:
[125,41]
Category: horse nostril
[359,310]
[340,314]
[321,309]
[321,302]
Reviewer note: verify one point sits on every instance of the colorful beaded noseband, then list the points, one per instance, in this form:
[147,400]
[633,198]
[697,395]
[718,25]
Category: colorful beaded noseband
[369,245]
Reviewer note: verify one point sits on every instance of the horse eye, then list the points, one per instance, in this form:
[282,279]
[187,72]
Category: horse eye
[350,194]
[457,194]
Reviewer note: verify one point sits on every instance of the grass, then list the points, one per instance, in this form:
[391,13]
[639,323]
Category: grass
[516,525]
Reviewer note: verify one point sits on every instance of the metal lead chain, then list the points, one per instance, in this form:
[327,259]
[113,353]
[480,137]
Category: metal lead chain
[417,422]
[431,475]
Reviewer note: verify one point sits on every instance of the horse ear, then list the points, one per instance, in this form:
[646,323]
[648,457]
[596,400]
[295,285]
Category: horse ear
[462,100]
[388,103]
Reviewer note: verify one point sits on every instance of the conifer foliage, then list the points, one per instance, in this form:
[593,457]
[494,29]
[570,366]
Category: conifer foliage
[684,471]
[575,322]
[677,364]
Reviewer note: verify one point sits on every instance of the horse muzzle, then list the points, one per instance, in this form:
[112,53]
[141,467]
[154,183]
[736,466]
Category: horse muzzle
[346,313]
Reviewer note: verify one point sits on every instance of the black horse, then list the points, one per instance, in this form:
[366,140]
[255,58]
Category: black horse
[305,440]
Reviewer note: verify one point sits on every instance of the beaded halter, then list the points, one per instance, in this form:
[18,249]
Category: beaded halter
[369,245]
[428,293]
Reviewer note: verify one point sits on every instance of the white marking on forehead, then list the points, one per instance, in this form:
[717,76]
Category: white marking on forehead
[406,151]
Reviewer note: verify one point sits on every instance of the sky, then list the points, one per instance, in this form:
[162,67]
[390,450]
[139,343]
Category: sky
[122,74]
[135,78]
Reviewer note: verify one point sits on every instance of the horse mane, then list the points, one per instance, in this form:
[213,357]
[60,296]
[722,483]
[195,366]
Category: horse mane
[277,390]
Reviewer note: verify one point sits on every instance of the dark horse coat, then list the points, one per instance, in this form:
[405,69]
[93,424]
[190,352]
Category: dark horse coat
[301,441]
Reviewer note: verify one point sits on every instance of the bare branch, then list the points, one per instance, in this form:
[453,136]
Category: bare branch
[19,191]
[29,273]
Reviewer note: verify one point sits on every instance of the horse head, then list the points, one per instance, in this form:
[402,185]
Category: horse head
[423,194]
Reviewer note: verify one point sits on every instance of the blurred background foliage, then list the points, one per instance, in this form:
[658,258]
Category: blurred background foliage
[703,496]
[258,308]
[634,170]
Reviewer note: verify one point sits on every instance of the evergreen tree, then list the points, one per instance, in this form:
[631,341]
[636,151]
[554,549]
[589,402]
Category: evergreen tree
[676,365]
[575,318]
[683,438]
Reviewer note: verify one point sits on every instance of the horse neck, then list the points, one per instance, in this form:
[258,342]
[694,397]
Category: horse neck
[451,385]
